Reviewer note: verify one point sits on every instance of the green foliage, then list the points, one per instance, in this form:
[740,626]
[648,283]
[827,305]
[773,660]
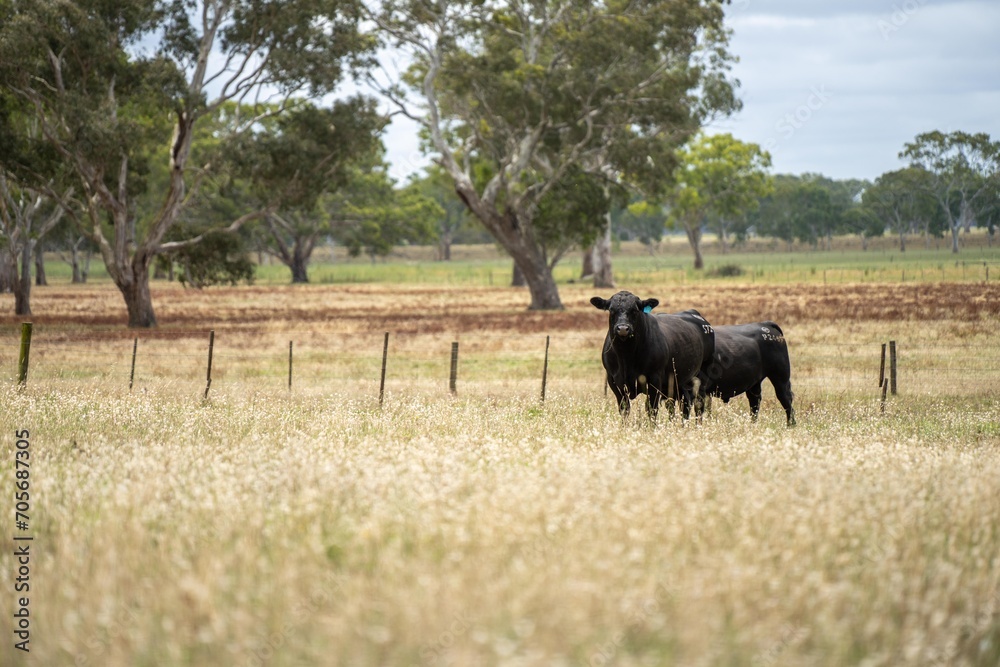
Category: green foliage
[811,208]
[963,173]
[220,259]
[719,181]
[294,159]
[122,89]
[863,221]
[87,115]
[370,216]
[902,200]
[725,271]
[518,96]
[572,212]
[642,220]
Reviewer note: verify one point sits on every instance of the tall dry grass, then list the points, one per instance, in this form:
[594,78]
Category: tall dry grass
[268,527]
[258,528]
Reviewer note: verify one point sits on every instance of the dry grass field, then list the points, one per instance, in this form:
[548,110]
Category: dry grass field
[268,526]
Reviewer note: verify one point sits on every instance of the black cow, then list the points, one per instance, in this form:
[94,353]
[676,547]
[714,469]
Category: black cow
[744,355]
[659,355]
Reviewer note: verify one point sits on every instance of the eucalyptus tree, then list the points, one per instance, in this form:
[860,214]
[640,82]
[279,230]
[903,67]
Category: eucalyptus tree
[372,216]
[902,201]
[643,220]
[539,89]
[302,159]
[964,169]
[26,217]
[719,180]
[116,86]
[777,215]
[455,221]
[862,221]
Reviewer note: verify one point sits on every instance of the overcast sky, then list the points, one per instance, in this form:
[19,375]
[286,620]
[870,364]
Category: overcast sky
[837,87]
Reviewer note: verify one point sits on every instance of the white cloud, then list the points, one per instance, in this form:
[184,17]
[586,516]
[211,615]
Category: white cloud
[892,70]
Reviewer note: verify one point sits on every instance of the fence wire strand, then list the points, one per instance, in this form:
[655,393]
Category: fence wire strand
[347,362]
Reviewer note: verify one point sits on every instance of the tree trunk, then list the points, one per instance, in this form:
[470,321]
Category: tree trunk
[74,256]
[8,272]
[299,269]
[40,278]
[513,231]
[517,277]
[22,283]
[541,284]
[902,241]
[138,300]
[299,264]
[954,237]
[864,242]
[444,248]
[693,230]
[587,268]
[603,273]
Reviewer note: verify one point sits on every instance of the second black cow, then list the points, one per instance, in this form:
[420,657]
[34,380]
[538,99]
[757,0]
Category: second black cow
[744,355]
[659,355]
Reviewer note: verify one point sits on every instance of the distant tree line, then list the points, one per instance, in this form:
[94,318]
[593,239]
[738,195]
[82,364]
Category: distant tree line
[951,183]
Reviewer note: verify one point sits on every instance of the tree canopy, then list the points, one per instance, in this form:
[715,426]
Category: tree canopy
[538,89]
[719,180]
[116,87]
[963,168]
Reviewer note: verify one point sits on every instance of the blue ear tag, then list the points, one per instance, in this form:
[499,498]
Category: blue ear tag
[647,309]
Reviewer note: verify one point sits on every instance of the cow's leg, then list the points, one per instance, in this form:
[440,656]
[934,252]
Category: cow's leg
[753,395]
[621,397]
[671,395]
[687,402]
[652,402]
[783,390]
[699,404]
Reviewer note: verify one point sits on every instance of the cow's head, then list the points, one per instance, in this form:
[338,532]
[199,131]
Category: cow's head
[624,312]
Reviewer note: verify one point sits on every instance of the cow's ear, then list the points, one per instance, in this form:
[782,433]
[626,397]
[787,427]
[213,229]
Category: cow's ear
[599,303]
[649,304]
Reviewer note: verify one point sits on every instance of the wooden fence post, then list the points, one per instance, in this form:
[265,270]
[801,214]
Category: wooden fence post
[453,380]
[22,358]
[211,348]
[885,385]
[892,367]
[545,368]
[385,356]
[881,367]
[289,365]
[131,375]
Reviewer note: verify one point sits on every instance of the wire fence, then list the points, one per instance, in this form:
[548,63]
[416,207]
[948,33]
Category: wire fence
[529,365]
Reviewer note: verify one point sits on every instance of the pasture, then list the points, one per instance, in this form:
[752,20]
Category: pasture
[268,526]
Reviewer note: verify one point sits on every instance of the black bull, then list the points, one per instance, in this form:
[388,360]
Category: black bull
[744,355]
[659,355]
